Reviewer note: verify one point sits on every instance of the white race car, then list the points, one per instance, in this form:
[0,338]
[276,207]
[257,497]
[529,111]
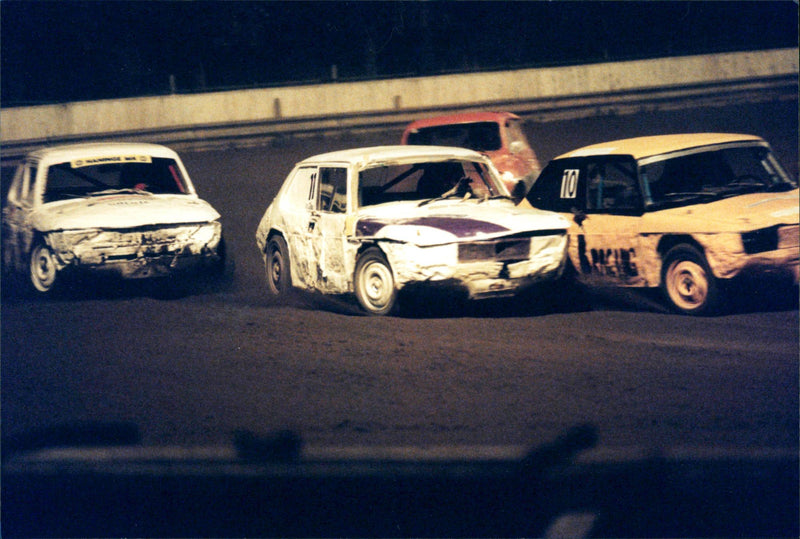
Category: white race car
[128,209]
[371,221]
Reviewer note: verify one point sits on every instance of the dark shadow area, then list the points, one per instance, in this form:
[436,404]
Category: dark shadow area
[120,49]
[273,486]
[87,287]
[748,294]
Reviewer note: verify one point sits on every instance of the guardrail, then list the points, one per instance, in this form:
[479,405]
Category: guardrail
[255,117]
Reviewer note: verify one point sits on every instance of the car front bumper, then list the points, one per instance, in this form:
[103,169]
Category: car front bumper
[483,278]
[728,256]
[140,253]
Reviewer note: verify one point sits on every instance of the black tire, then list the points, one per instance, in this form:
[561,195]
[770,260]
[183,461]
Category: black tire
[43,269]
[687,282]
[278,267]
[374,283]
[219,266]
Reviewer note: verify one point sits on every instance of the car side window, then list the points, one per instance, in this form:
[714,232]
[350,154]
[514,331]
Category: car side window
[28,185]
[300,190]
[333,189]
[15,191]
[612,186]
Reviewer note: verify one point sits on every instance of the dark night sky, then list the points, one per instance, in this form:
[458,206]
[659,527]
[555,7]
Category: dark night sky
[70,50]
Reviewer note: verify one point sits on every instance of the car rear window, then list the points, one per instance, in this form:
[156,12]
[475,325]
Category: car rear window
[478,136]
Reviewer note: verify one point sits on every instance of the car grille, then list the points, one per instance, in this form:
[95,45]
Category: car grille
[176,235]
[506,249]
[133,243]
[503,250]
[770,239]
[759,241]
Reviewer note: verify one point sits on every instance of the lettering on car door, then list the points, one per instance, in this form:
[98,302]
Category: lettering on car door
[608,238]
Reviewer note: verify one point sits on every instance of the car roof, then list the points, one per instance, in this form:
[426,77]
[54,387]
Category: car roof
[461,118]
[59,154]
[641,147]
[402,153]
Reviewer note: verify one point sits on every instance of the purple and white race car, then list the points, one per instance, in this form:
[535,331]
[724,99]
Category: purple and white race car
[371,221]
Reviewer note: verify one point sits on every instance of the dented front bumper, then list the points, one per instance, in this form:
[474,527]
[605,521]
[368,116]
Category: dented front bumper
[485,269]
[138,253]
[767,251]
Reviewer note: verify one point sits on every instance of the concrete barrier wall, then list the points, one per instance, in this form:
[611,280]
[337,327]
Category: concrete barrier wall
[176,118]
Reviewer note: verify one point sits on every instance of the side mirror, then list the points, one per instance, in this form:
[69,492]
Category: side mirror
[578,216]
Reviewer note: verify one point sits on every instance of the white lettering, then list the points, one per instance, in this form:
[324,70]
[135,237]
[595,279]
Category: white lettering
[569,183]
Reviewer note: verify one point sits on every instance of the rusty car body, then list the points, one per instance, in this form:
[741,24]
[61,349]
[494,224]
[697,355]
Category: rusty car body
[126,209]
[685,212]
[370,221]
[498,135]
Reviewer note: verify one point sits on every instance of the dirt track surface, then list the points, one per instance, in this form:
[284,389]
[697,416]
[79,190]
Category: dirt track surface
[226,356]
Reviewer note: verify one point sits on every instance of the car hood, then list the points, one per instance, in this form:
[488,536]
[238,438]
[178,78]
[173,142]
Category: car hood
[123,211]
[450,221]
[735,214]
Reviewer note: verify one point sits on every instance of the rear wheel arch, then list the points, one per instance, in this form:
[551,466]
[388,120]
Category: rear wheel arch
[272,233]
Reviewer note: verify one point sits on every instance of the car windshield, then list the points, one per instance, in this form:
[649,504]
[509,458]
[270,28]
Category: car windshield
[478,136]
[710,175]
[81,178]
[426,181]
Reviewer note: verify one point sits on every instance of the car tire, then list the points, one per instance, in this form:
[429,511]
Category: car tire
[687,281]
[220,265]
[43,269]
[278,266]
[374,283]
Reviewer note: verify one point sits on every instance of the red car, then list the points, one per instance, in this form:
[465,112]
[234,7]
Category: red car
[498,135]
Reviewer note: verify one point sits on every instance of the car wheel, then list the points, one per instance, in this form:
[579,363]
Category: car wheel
[276,260]
[43,268]
[374,282]
[688,283]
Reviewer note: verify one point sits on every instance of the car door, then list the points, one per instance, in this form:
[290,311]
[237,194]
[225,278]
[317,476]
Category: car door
[607,232]
[17,231]
[601,196]
[326,230]
[297,205]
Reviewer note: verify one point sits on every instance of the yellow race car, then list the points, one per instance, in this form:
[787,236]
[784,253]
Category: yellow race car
[686,213]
